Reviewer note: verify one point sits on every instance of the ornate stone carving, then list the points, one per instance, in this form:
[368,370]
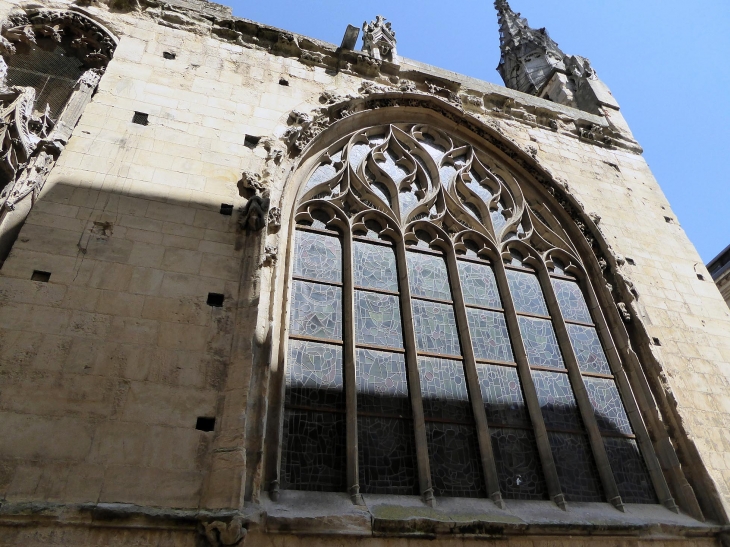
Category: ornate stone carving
[312,57]
[625,315]
[274,221]
[304,128]
[378,40]
[254,214]
[595,133]
[224,534]
[252,181]
[270,254]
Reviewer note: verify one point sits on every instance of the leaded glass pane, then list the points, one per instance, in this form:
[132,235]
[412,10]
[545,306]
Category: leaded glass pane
[444,391]
[427,276]
[577,471]
[453,452]
[571,301]
[382,385]
[357,152]
[518,464]
[489,335]
[314,375]
[435,328]
[375,266]
[389,165]
[629,470]
[502,395]
[557,401]
[323,173]
[318,256]
[313,453]
[526,292]
[316,310]
[607,405]
[377,319]
[387,456]
[540,342]
[588,350]
[479,285]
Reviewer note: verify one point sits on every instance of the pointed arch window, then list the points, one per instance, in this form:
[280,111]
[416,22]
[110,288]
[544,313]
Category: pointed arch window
[444,338]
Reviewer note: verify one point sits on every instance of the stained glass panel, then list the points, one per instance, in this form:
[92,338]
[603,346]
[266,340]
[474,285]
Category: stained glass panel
[518,464]
[374,266]
[358,151]
[446,173]
[382,384]
[557,401]
[313,453]
[316,310]
[318,256]
[389,165]
[377,319]
[444,390]
[435,328]
[407,200]
[526,292]
[571,301]
[540,342]
[577,471]
[427,276]
[479,285]
[502,395]
[323,173]
[588,350]
[498,219]
[314,375]
[489,335]
[629,470]
[453,452]
[387,456]
[607,405]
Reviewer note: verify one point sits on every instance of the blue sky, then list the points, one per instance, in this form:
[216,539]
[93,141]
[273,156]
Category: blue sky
[666,61]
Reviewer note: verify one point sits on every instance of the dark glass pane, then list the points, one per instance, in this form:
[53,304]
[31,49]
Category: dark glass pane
[378,319]
[453,452]
[571,301]
[382,385]
[444,391]
[607,405]
[502,395]
[588,350]
[316,310]
[375,266]
[318,256]
[427,276]
[540,342]
[387,456]
[629,470]
[489,335]
[518,465]
[478,285]
[526,292]
[557,401]
[313,453]
[577,471]
[435,328]
[314,375]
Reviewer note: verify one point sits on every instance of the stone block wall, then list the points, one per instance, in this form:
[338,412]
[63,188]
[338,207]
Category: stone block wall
[105,368]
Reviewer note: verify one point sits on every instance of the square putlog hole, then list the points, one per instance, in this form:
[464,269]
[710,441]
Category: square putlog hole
[284,82]
[140,118]
[205,424]
[227,209]
[169,55]
[215,300]
[251,141]
[38,275]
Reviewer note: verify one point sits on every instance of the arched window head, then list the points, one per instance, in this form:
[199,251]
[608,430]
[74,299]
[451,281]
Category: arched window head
[444,338]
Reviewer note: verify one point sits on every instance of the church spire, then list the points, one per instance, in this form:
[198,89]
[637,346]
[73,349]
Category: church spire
[529,56]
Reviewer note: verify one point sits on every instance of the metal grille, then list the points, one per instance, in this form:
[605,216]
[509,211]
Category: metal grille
[52,73]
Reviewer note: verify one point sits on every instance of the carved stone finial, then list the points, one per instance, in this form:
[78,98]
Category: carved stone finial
[379,39]
[222,534]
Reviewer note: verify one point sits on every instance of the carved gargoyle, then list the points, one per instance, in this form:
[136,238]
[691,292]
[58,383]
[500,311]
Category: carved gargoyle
[254,214]
[223,534]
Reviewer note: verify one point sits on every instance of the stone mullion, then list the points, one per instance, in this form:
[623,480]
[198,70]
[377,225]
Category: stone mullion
[348,365]
[414,380]
[580,392]
[632,410]
[472,378]
[528,388]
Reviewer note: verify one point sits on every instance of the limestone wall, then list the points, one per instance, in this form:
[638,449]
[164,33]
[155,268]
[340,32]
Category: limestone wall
[105,369]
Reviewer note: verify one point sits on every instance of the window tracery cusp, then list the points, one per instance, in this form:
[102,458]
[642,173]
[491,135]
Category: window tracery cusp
[444,338]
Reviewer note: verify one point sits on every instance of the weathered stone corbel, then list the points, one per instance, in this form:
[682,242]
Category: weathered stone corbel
[312,58]
[254,214]
[225,534]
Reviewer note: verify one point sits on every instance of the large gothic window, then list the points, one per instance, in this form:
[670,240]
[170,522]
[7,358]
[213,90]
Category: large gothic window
[444,338]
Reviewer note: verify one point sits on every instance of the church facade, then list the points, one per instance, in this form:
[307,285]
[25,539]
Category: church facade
[258,289]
